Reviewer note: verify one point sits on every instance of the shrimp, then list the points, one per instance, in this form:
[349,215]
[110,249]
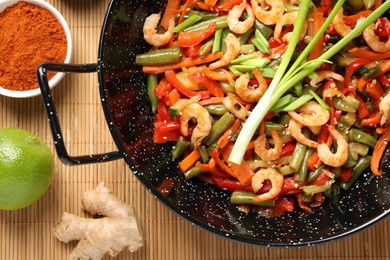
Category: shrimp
[334,159]
[247,93]
[288,18]
[232,50]
[237,26]
[265,14]
[150,31]
[384,109]
[270,154]
[267,174]
[373,40]
[339,23]
[203,127]
[311,114]
[296,132]
[326,74]
[235,107]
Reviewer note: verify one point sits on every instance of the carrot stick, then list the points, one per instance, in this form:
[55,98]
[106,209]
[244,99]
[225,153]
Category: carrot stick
[385,66]
[243,171]
[186,62]
[173,97]
[379,148]
[317,21]
[189,160]
[352,19]
[169,13]
[214,153]
[371,55]
[224,139]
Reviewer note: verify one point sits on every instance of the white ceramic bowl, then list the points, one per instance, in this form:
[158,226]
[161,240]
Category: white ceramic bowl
[57,78]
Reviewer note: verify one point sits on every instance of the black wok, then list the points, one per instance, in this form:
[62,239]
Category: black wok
[130,120]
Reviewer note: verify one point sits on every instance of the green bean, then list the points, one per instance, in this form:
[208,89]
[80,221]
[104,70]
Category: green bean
[160,56]
[357,149]
[217,41]
[362,137]
[314,174]
[361,165]
[261,44]
[219,128]
[299,102]
[193,172]
[285,170]
[242,58]
[279,128]
[340,103]
[243,38]
[217,109]
[151,80]
[247,49]
[204,14]
[265,30]
[283,102]
[313,189]
[221,22]
[355,4]
[301,175]
[372,72]
[298,155]
[333,193]
[346,121]
[350,161]
[246,197]
[192,19]
[225,33]
[206,48]
[181,146]
[204,153]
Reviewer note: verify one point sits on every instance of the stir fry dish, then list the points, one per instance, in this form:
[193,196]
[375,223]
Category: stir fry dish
[281,103]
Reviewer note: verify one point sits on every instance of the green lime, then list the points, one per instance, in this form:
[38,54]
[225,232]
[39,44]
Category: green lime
[26,168]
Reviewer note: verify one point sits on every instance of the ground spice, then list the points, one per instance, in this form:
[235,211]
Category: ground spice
[29,35]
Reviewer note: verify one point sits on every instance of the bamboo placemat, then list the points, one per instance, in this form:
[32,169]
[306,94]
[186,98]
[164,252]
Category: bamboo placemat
[27,233]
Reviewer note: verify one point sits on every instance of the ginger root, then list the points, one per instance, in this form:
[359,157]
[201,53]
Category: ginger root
[119,228]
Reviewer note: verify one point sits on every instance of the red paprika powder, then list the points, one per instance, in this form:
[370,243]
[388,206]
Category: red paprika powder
[29,35]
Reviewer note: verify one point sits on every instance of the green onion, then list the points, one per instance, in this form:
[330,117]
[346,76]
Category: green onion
[263,106]
[186,23]
[217,41]
[319,100]
[152,85]
[284,81]
[298,102]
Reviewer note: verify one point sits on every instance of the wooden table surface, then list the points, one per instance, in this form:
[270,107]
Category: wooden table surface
[27,233]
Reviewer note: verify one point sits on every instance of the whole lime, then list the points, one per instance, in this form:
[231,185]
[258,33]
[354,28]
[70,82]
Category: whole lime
[26,168]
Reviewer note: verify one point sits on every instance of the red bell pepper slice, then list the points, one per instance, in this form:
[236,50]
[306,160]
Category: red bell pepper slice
[379,149]
[188,39]
[373,120]
[171,77]
[163,89]
[229,184]
[281,206]
[290,186]
[213,86]
[288,148]
[383,29]
[346,174]
[164,132]
[375,91]
[352,67]
[192,51]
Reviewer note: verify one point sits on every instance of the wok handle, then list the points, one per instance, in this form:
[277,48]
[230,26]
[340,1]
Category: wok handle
[53,118]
